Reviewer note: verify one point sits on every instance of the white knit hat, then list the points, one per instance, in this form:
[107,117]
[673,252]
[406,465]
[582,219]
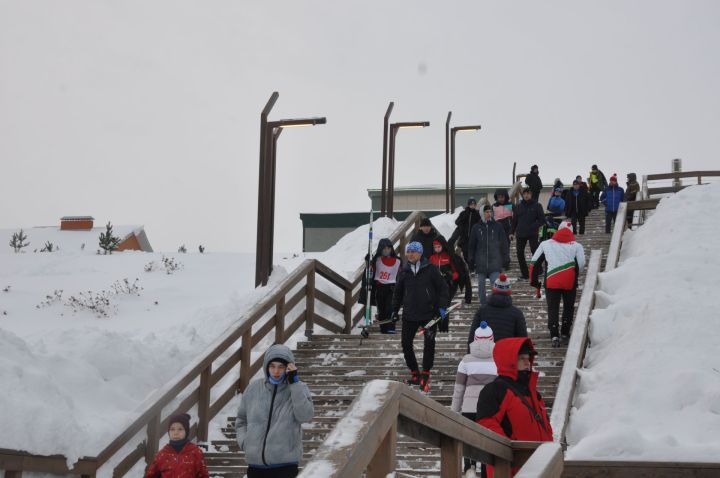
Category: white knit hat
[484,332]
[565,225]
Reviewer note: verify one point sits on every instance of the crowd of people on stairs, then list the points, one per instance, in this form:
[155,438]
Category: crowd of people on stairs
[495,384]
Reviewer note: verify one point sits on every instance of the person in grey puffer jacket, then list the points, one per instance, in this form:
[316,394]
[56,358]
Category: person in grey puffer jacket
[476,370]
[268,420]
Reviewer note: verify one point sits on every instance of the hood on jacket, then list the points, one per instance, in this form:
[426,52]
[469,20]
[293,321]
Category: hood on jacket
[385,242]
[500,191]
[564,235]
[631,177]
[423,263]
[505,355]
[482,349]
[443,242]
[277,351]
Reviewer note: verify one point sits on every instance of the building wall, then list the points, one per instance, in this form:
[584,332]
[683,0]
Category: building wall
[323,238]
[131,243]
[75,225]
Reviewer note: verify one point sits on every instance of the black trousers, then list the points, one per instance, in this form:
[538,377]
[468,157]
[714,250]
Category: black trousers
[409,330]
[575,219]
[609,218]
[520,243]
[553,297]
[383,299]
[290,471]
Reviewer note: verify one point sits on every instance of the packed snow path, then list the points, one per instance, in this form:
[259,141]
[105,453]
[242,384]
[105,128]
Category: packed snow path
[336,367]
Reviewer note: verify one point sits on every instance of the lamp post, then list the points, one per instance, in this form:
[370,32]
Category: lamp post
[383,191]
[447,162]
[391,159]
[269,133]
[453,132]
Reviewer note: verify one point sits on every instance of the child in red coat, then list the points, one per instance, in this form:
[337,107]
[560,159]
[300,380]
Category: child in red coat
[179,458]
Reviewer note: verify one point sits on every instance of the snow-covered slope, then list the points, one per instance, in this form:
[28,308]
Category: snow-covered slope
[651,386]
[74,378]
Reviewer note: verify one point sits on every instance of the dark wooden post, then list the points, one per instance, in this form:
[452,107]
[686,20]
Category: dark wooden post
[280,320]
[263,173]
[153,439]
[204,405]
[310,303]
[447,162]
[384,461]
[450,457]
[245,350]
[501,468]
[383,191]
[13,474]
[348,310]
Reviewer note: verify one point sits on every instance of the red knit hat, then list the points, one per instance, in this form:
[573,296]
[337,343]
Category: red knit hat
[613,178]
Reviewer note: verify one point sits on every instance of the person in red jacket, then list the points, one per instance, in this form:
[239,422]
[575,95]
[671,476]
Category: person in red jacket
[511,406]
[180,458]
[443,260]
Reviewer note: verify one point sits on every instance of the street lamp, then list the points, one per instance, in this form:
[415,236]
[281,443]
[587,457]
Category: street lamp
[391,159]
[383,191]
[453,132]
[269,133]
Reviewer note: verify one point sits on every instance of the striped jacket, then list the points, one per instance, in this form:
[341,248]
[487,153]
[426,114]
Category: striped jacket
[475,370]
[565,261]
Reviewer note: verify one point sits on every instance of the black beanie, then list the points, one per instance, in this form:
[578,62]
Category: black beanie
[527,349]
[184,420]
[425,222]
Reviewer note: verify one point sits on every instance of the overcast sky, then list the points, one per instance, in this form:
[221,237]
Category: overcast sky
[148,112]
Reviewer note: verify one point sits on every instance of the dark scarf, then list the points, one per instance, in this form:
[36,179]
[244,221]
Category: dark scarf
[178,445]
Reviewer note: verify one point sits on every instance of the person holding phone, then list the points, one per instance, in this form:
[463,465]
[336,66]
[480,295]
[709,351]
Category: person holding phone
[271,411]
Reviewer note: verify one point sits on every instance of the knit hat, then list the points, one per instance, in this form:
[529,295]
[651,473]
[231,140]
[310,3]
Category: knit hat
[487,207]
[558,190]
[527,349]
[576,182]
[425,222]
[613,178]
[471,201]
[484,332]
[414,246]
[534,167]
[565,225]
[502,285]
[184,420]
[437,243]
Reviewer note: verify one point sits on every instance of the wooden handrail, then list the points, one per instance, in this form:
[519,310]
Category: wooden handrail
[575,352]
[364,440]
[212,365]
[682,174]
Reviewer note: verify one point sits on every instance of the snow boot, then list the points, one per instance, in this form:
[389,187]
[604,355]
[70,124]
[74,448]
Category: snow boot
[414,378]
[425,381]
[556,342]
[565,339]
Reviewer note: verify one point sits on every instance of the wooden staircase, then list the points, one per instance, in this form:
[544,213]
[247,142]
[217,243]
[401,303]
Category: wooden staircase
[336,367]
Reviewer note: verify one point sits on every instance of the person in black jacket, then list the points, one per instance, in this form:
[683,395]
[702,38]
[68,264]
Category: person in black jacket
[425,235]
[504,319]
[534,182]
[422,293]
[465,222]
[577,206]
[527,220]
[489,252]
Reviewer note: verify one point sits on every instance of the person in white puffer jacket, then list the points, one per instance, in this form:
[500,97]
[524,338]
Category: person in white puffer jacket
[475,370]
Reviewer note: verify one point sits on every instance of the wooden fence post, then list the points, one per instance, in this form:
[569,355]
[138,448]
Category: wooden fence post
[450,457]
[204,404]
[384,460]
[310,303]
[280,320]
[501,468]
[348,311]
[13,474]
[245,350]
[152,440]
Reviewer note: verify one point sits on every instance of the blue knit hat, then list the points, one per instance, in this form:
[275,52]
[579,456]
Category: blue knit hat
[414,247]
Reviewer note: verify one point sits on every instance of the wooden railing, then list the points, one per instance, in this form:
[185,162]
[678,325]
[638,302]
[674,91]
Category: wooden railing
[211,380]
[365,439]
[678,175]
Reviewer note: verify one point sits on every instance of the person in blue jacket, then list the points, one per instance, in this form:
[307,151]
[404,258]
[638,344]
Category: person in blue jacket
[611,197]
[556,204]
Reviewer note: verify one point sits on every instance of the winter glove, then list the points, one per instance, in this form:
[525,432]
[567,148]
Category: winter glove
[455,276]
[292,376]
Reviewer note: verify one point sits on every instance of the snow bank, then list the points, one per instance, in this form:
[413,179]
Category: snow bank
[81,378]
[651,386]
